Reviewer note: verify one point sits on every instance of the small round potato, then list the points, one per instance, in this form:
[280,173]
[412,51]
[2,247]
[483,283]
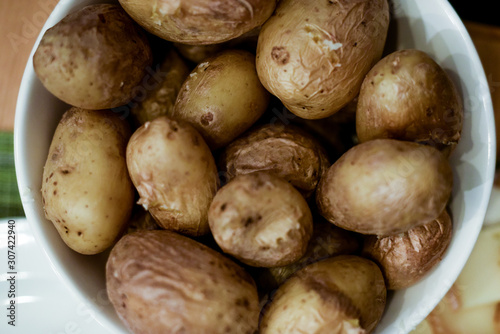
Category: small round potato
[385,187]
[408,96]
[175,174]
[314,55]
[408,257]
[339,295]
[285,151]
[88,148]
[199,22]
[222,97]
[261,220]
[161,282]
[93,58]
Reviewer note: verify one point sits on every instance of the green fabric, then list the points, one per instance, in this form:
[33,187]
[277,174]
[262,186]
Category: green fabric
[10,201]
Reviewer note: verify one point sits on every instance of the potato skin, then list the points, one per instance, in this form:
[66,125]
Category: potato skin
[408,257]
[340,295]
[314,56]
[199,22]
[93,58]
[162,282]
[175,174]
[87,148]
[285,151]
[408,96]
[385,187]
[261,220]
[222,97]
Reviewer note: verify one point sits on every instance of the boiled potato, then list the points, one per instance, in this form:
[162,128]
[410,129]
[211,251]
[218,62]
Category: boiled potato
[162,282]
[261,220]
[87,148]
[175,174]
[222,97]
[94,58]
[160,99]
[408,96]
[340,295]
[406,258]
[285,151]
[314,55]
[199,22]
[385,187]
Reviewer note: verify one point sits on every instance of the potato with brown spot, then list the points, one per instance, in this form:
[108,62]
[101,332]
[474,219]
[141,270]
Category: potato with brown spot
[93,58]
[261,220]
[175,174]
[340,295]
[313,56]
[87,148]
[161,282]
[406,258]
[222,97]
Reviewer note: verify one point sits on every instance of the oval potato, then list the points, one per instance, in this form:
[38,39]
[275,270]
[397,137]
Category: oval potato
[87,148]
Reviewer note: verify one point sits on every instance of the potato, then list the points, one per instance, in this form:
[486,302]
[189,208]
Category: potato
[199,22]
[162,282]
[159,100]
[285,151]
[408,96]
[340,295]
[222,97]
[93,58]
[385,187]
[314,56]
[87,148]
[261,220]
[175,174]
[408,257]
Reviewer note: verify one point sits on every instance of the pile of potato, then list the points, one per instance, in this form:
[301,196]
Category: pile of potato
[249,218]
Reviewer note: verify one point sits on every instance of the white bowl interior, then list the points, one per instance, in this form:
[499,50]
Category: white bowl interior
[428,25]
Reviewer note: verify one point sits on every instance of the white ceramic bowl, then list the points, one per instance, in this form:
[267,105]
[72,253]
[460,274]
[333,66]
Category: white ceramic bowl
[428,25]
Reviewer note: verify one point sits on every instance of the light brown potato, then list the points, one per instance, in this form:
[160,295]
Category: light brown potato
[406,258]
[261,220]
[199,22]
[285,151]
[87,148]
[93,58]
[222,97]
[408,96]
[166,83]
[175,174]
[314,56]
[385,187]
[340,295]
[161,282]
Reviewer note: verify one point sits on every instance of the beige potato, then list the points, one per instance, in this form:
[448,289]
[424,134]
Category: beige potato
[406,258]
[261,220]
[87,148]
[161,282]
[93,58]
[222,97]
[285,151]
[385,187]
[340,295]
[175,174]
[159,98]
[199,22]
[314,56]
[408,96]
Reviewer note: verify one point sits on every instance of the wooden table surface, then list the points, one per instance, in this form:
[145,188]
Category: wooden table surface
[21,21]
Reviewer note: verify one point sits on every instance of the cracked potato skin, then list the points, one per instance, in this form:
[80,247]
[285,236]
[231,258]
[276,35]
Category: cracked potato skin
[314,56]
[88,147]
[162,282]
